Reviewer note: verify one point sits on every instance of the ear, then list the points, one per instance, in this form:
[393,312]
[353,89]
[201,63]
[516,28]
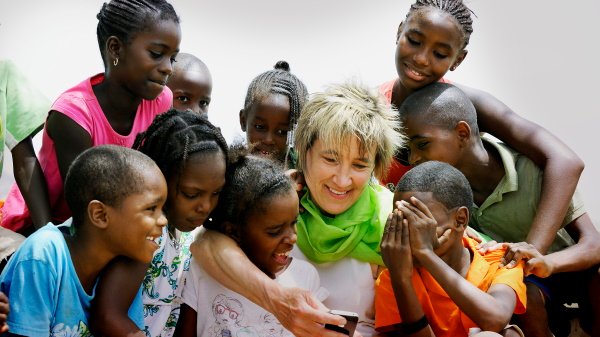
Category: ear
[114,48]
[399,31]
[243,120]
[232,231]
[461,218]
[463,130]
[98,214]
[459,59]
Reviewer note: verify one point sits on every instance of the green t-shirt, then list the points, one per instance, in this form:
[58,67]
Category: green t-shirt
[506,215]
[23,108]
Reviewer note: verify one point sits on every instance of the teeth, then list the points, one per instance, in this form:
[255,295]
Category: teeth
[337,192]
[415,72]
[286,254]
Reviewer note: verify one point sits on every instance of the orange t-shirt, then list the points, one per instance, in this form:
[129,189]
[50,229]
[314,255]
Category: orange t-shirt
[445,318]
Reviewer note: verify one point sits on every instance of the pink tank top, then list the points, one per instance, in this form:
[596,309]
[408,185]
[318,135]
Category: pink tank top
[81,105]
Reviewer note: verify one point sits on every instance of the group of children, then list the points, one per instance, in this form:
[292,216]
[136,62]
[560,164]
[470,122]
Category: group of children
[104,219]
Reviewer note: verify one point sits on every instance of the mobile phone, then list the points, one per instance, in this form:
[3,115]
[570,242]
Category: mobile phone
[349,327]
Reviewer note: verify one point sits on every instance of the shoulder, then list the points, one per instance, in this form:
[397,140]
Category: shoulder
[44,244]
[386,89]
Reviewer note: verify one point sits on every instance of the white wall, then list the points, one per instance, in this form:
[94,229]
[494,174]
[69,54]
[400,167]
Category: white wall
[537,56]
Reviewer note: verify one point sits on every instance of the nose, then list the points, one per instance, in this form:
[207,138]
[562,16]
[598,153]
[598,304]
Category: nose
[166,66]
[342,177]
[269,138]
[413,158]
[420,57]
[204,205]
[291,236]
[162,220]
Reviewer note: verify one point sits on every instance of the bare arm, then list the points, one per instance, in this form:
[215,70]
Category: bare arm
[295,308]
[580,256]
[32,182]
[109,313]
[70,139]
[562,167]
[187,322]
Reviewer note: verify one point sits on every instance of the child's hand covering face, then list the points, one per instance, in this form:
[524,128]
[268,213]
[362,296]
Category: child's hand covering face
[395,245]
[421,224]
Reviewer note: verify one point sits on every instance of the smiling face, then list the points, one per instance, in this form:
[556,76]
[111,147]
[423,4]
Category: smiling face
[138,221]
[146,61]
[194,193]
[269,233]
[429,43]
[336,177]
[431,142]
[191,88]
[266,124]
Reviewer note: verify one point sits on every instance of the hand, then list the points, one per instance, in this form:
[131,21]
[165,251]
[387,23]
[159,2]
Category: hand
[536,263]
[298,178]
[3,312]
[489,246]
[303,315]
[421,224]
[395,245]
[472,234]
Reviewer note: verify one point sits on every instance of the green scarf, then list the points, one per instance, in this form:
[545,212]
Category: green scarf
[356,233]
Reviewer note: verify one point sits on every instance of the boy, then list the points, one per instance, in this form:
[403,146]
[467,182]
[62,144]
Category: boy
[441,124]
[191,84]
[443,286]
[116,195]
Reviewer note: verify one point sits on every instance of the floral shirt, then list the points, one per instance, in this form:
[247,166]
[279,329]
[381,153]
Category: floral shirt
[161,290]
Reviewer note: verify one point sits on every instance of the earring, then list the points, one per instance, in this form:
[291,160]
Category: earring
[453,68]
[116,61]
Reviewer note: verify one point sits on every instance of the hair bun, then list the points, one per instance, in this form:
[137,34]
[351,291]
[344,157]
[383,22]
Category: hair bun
[282,65]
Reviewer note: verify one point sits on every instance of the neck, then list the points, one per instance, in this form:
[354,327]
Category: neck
[89,258]
[115,99]
[399,93]
[483,169]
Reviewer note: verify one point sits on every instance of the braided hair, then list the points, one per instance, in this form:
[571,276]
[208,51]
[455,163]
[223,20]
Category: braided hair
[279,81]
[456,8]
[250,182]
[175,135]
[125,18]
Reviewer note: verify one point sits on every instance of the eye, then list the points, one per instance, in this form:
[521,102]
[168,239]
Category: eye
[360,166]
[412,41]
[204,103]
[152,208]
[190,195]
[183,99]
[331,160]
[259,127]
[440,55]
[422,145]
[155,55]
[275,231]
[282,132]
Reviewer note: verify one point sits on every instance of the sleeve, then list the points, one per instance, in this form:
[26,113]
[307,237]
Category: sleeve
[32,304]
[386,308]
[27,107]
[575,210]
[513,278]
[189,294]
[136,310]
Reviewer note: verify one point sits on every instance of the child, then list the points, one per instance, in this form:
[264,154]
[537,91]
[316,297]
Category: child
[138,42]
[116,195]
[441,124]
[190,83]
[23,109]
[443,287]
[191,153]
[258,209]
[271,111]
[432,40]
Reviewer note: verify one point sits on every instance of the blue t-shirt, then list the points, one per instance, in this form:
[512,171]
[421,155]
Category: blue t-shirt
[45,295]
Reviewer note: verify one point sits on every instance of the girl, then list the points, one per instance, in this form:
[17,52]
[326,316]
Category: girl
[191,153]
[258,209]
[138,42]
[432,40]
[271,110]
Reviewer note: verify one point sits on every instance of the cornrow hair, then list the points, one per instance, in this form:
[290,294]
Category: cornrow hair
[456,8]
[279,81]
[175,135]
[250,182]
[125,18]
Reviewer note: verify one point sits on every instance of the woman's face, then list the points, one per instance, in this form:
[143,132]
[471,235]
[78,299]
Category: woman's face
[336,177]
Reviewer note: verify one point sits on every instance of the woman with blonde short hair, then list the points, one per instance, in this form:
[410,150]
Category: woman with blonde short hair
[346,136]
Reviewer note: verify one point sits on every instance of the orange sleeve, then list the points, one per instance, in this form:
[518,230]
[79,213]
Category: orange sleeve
[513,278]
[386,308]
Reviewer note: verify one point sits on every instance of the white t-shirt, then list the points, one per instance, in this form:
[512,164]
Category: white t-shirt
[351,288]
[224,313]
